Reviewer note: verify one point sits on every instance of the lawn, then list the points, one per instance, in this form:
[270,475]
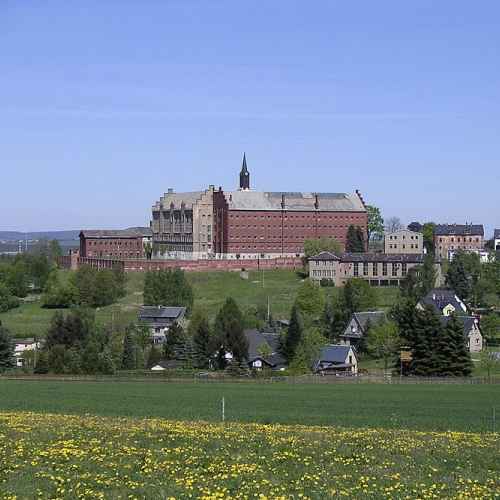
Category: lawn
[423,407]
[210,291]
[66,457]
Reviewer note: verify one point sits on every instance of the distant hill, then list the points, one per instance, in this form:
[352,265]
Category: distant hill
[39,235]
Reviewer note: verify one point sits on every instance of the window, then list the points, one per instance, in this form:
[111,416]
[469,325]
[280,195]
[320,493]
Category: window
[394,269]
[356,271]
[404,268]
[365,268]
[384,269]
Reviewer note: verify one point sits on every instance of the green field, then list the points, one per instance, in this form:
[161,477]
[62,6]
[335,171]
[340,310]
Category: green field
[427,407]
[210,291]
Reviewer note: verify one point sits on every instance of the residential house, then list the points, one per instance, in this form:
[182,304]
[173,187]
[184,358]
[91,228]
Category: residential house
[337,359]
[21,347]
[263,350]
[467,237]
[359,324]
[159,319]
[444,301]
[378,269]
[404,241]
[472,332]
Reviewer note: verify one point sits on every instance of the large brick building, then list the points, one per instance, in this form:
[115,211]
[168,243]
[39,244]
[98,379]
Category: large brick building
[116,244]
[451,237]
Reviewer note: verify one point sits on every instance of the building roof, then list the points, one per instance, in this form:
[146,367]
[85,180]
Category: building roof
[369,317]
[163,312]
[459,229]
[467,321]
[257,339]
[133,232]
[266,200]
[496,234]
[406,231]
[188,198]
[439,298]
[324,256]
[416,258]
[334,353]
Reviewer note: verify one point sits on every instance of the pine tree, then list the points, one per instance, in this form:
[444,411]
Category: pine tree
[229,332]
[327,319]
[174,342]
[428,328]
[294,334]
[6,349]
[202,340]
[460,363]
[129,348]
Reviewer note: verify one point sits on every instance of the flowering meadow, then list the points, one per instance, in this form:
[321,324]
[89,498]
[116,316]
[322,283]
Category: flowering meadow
[66,456]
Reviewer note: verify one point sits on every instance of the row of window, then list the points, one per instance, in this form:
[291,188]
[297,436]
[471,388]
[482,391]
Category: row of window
[366,267]
[125,243]
[394,245]
[412,237]
[302,216]
[459,240]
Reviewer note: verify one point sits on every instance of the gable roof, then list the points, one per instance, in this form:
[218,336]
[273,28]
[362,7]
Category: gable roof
[372,317]
[324,256]
[467,321]
[334,353]
[147,313]
[459,229]
[439,298]
[257,339]
[268,200]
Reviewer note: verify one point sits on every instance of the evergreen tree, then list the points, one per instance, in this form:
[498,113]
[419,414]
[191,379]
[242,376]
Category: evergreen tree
[42,363]
[458,279]
[228,330]
[154,356]
[6,349]
[327,319]
[460,363]
[129,347]
[294,334]
[202,339]
[427,275]
[428,328]
[175,341]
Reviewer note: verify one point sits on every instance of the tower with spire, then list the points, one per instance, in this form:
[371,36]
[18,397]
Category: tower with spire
[244,176]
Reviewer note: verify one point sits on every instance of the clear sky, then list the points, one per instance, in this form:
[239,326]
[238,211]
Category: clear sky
[106,104]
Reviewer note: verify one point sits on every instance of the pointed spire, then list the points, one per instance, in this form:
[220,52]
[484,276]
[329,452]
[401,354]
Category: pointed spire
[244,175]
[244,164]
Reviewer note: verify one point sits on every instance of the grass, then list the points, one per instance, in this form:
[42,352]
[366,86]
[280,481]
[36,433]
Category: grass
[423,407]
[210,291]
[66,457]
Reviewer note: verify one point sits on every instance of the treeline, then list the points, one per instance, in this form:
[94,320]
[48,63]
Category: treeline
[168,288]
[85,287]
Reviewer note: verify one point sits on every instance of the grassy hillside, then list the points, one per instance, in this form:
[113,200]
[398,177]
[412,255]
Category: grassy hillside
[210,291]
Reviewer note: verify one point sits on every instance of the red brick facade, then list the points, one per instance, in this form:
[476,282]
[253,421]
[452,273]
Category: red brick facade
[111,244]
[277,231]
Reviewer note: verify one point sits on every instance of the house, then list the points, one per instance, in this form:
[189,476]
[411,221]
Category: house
[484,255]
[263,350]
[379,269]
[444,301]
[336,359]
[471,332]
[159,319]
[465,237]
[404,241]
[359,324]
[21,347]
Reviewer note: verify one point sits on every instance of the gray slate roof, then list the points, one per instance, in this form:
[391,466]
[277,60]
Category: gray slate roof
[467,321]
[134,232]
[440,298]
[334,354]
[256,339]
[382,257]
[151,313]
[459,229]
[324,256]
[265,200]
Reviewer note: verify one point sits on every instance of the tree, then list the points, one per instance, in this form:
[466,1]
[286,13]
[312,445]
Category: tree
[354,241]
[489,361]
[294,334]
[6,349]
[393,224]
[129,348]
[154,356]
[427,275]
[201,333]
[7,300]
[358,296]
[375,222]
[71,330]
[428,328]
[490,326]
[175,341]
[459,362]
[383,341]
[310,300]
[168,288]
[428,232]
[148,250]
[463,274]
[307,351]
[55,250]
[323,244]
[228,329]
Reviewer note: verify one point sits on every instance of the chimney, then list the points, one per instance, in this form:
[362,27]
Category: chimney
[282,202]
[170,190]
[316,202]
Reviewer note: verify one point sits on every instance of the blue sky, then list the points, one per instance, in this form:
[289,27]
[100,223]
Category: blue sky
[104,105]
